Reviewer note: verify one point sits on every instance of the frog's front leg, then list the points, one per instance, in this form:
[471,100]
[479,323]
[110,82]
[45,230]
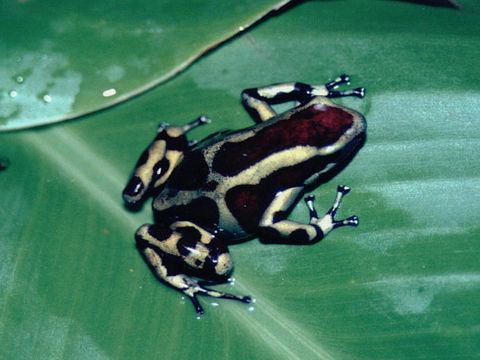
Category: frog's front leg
[172,250]
[257,101]
[274,229]
[159,159]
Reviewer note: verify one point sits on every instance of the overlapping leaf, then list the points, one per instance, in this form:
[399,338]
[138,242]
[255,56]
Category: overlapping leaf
[61,60]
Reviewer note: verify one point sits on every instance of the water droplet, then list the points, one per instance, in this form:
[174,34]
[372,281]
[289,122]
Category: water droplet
[19,79]
[109,92]
[251,308]
[13,94]
[213,303]
[47,98]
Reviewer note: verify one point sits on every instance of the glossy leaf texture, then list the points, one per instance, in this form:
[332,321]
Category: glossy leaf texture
[60,60]
[405,284]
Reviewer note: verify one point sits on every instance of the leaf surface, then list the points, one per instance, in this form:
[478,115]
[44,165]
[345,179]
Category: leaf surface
[405,284]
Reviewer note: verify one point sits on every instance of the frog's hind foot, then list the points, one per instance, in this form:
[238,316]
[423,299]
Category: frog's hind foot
[327,223]
[194,288]
[342,79]
[328,89]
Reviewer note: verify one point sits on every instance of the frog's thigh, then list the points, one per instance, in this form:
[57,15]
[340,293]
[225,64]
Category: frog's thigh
[286,231]
[189,244]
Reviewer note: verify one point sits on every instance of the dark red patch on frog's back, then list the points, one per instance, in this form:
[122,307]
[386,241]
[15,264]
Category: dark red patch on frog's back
[317,125]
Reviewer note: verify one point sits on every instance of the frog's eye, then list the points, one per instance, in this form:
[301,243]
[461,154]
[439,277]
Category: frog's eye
[134,190]
[160,168]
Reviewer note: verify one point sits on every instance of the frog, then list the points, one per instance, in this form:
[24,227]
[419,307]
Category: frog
[236,185]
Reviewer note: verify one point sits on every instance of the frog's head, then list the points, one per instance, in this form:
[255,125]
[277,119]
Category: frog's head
[148,168]
[155,165]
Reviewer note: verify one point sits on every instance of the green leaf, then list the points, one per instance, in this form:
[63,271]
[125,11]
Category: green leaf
[405,284]
[444,3]
[61,60]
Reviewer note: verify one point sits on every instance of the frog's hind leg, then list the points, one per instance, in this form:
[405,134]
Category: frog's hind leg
[171,251]
[273,228]
[258,101]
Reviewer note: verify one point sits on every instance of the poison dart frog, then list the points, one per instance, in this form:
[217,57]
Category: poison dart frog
[236,185]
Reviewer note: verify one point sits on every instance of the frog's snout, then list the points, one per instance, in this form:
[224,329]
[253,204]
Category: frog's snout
[134,190]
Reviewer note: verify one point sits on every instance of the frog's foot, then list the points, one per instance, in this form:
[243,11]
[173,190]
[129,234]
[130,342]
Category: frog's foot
[193,288]
[184,283]
[327,223]
[327,89]
[201,120]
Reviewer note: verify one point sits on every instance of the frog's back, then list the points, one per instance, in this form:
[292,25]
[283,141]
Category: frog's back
[296,149]
[317,125]
[232,179]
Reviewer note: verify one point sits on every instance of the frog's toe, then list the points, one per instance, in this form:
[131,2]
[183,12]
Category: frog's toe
[195,289]
[162,126]
[196,304]
[351,221]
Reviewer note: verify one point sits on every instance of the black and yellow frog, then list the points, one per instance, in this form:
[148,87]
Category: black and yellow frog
[235,185]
